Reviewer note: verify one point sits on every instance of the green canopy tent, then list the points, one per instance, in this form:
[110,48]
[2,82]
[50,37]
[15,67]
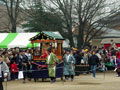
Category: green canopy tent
[22,40]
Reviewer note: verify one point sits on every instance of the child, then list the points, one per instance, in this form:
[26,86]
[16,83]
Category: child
[14,71]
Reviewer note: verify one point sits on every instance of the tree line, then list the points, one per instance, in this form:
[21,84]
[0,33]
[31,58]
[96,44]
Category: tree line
[85,16]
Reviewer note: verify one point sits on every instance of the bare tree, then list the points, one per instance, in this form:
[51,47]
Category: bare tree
[88,13]
[13,11]
[65,8]
[32,7]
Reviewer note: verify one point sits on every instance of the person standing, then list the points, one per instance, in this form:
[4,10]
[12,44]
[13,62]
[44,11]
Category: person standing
[23,64]
[69,62]
[51,62]
[14,71]
[14,58]
[98,54]
[29,67]
[93,62]
[86,56]
[78,58]
[4,70]
[118,67]
[5,58]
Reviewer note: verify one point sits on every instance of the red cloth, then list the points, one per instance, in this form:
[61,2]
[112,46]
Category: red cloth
[40,66]
[44,54]
[108,45]
[118,45]
[14,68]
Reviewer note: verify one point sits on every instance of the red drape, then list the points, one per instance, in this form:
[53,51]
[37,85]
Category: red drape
[108,45]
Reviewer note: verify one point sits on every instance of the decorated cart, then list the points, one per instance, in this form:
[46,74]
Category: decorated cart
[44,40]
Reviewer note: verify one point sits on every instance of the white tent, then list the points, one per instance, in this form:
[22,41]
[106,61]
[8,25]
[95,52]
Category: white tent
[11,40]
[21,40]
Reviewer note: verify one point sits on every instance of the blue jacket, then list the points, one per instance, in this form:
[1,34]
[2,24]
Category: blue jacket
[69,68]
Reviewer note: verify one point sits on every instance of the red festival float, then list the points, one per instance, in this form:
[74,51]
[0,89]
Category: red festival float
[44,40]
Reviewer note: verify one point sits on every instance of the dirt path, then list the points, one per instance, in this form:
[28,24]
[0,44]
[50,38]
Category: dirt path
[107,81]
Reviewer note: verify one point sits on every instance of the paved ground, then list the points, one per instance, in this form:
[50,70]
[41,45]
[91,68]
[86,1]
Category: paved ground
[107,81]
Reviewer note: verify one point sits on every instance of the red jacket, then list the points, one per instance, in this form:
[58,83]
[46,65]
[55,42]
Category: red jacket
[14,68]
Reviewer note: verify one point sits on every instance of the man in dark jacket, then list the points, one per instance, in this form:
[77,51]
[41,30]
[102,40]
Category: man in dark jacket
[23,64]
[78,57]
[93,62]
[113,52]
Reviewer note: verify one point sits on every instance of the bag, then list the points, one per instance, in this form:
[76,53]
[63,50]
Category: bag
[20,75]
[82,61]
[109,64]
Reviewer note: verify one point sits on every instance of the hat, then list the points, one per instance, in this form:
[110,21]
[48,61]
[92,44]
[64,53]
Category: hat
[75,49]
[86,50]
[49,49]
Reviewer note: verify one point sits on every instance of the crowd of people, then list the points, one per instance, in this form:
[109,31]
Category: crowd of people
[99,58]
[16,60]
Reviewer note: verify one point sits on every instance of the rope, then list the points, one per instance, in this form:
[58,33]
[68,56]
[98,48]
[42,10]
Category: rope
[45,66]
[40,67]
[88,70]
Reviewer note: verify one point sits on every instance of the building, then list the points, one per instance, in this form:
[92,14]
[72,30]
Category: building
[105,39]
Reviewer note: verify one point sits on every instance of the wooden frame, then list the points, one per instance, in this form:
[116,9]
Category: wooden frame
[59,48]
[46,41]
[47,37]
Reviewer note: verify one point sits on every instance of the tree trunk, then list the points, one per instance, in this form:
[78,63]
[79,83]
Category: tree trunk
[79,41]
[71,41]
[70,37]
[80,37]
[13,29]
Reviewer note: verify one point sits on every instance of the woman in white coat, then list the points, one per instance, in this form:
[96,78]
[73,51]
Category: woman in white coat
[4,70]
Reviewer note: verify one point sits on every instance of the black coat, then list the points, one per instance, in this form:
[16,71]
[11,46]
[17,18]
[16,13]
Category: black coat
[2,78]
[113,53]
[93,60]
[23,59]
[78,58]
[14,59]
